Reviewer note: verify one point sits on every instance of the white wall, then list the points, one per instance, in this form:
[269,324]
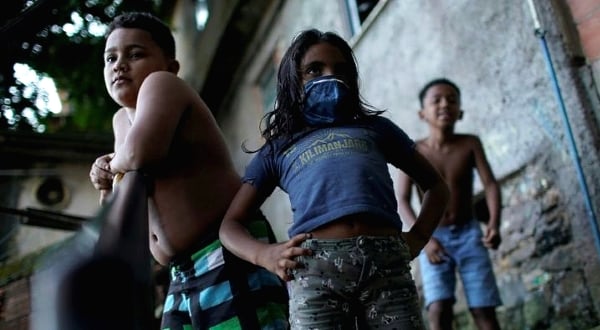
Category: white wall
[81,200]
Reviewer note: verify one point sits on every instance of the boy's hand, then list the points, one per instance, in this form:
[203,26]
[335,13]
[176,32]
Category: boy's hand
[101,176]
[491,238]
[435,251]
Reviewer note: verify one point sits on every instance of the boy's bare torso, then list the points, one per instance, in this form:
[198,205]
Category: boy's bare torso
[454,160]
[192,186]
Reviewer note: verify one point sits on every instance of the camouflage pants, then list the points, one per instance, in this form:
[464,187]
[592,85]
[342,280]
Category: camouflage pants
[355,283]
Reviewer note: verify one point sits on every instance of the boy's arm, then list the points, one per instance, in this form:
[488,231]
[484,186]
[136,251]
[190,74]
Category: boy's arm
[121,125]
[492,195]
[101,174]
[161,101]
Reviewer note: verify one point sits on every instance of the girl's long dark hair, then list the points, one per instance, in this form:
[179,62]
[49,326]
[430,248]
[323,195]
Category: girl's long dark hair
[286,117]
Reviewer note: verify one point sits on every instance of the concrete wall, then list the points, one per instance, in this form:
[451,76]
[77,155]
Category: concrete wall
[548,263]
[196,48]
[81,199]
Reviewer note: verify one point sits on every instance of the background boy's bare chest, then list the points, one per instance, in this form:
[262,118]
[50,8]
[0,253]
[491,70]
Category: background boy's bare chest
[454,162]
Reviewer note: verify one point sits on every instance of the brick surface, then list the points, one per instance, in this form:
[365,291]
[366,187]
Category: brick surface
[21,323]
[16,302]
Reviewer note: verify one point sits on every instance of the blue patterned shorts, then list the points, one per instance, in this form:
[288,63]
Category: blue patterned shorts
[356,283]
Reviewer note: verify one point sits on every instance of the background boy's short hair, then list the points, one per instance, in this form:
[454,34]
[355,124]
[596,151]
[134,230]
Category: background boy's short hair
[437,81]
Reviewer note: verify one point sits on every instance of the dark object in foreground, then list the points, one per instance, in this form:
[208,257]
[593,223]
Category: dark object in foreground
[103,276]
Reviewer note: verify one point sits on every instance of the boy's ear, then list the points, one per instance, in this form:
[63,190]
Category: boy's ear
[174,66]
[460,114]
[421,114]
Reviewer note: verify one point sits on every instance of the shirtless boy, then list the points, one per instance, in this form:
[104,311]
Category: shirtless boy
[458,240]
[165,130]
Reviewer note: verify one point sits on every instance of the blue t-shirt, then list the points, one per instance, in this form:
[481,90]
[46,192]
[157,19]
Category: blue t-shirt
[334,171]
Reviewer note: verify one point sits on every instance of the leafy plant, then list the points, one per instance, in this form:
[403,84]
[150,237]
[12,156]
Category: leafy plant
[60,39]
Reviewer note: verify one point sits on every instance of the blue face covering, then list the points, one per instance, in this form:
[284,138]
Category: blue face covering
[326,101]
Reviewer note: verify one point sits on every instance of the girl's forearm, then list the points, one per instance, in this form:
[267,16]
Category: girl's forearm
[237,239]
[433,207]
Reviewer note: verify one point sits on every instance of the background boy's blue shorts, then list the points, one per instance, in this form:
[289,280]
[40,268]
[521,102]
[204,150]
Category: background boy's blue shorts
[470,258]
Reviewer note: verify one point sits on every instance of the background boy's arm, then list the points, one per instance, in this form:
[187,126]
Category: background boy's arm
[162,99]
[491,237]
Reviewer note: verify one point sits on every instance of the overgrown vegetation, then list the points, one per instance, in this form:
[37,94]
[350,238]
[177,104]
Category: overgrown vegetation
[57,39]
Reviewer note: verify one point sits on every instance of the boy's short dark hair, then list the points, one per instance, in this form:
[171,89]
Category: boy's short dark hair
[437,81]
[160,32]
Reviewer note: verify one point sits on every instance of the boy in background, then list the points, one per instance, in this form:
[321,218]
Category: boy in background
[458,243]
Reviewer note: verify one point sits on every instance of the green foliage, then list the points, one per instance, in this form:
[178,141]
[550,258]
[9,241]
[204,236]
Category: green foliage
[33,32]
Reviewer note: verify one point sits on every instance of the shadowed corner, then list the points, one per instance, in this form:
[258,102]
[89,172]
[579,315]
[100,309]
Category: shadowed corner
[101,278]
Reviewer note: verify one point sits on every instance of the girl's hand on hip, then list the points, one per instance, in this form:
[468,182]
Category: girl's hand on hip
[280,257]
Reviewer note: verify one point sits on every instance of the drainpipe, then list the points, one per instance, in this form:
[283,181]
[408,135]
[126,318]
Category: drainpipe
[540,33]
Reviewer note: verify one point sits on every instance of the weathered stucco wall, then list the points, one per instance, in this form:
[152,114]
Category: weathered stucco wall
[81,199]
[547,265]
